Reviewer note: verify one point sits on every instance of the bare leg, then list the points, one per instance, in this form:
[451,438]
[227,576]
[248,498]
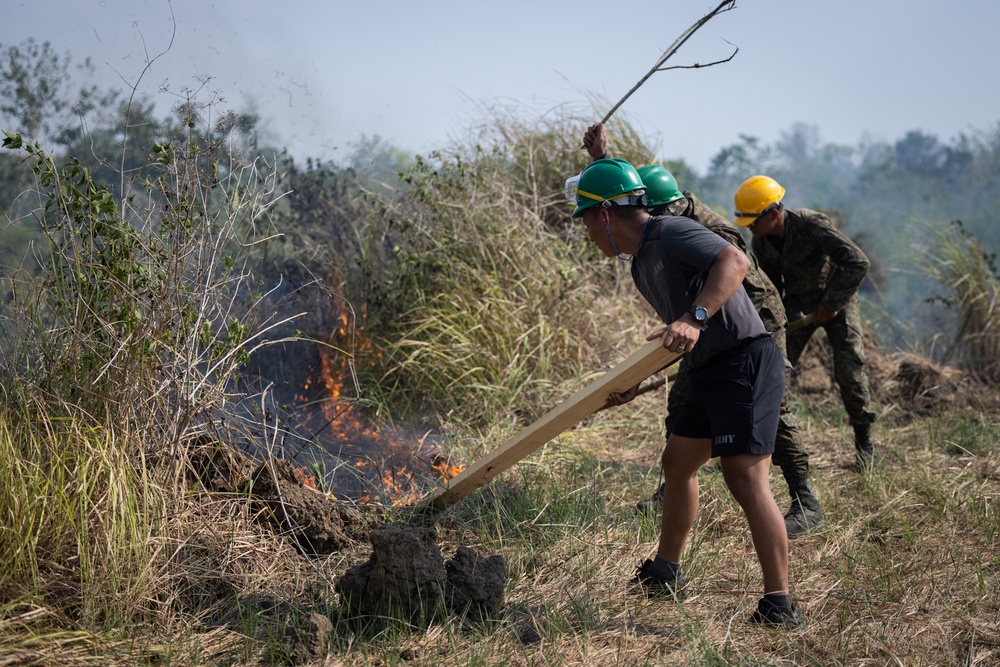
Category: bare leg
[746,477]
[682,457]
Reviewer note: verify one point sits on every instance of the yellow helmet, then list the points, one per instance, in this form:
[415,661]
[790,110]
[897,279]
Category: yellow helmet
[754,198]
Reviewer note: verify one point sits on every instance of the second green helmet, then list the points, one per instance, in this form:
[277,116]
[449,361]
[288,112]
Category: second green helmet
[661,186]
[606,180]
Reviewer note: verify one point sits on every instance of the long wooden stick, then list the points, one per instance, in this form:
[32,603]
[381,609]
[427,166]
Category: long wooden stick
[649,359]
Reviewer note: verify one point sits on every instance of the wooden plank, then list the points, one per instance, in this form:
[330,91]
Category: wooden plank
[649,359]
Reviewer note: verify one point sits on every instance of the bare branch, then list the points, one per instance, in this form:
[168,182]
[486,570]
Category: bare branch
[678,43]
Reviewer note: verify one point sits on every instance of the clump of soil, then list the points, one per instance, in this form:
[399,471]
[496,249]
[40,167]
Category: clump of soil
[475,584]
[317,523]
[406,577]
[307,641]
[924,388]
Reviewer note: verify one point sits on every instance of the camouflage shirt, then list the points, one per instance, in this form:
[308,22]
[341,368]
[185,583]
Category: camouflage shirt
[813,263]
[759,287]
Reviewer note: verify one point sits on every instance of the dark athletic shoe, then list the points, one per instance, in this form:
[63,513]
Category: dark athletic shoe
[653,504]
[801,520]
[654,586]
[769,615]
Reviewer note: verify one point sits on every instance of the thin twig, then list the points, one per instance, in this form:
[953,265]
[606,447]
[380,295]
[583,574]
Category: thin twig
[289,520]
[699,66]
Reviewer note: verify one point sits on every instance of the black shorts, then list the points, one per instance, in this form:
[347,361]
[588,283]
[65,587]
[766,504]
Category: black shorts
[735,399]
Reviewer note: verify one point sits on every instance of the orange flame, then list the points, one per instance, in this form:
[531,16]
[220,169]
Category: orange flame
[445,468]
[392,467]
[304,478]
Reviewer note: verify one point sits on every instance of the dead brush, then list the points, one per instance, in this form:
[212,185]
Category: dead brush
[148,306]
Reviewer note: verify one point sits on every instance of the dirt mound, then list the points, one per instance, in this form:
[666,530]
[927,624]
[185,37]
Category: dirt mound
[318,523]
[407,577]
[922,387]
[908,384]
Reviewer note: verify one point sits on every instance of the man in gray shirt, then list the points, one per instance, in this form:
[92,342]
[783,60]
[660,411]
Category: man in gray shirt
[693,279]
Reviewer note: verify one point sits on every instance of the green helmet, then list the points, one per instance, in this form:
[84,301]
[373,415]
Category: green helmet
[608,180]
[661,186]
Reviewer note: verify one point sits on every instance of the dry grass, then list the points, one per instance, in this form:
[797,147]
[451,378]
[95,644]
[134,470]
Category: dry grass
[491,288]
[906,571]
[960,264]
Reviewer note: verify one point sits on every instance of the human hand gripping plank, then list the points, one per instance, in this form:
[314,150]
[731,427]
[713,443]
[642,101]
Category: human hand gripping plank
[645,361]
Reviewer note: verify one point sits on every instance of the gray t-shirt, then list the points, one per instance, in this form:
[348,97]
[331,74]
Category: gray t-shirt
[669,271]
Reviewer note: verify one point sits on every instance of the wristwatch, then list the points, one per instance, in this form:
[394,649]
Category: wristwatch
[699,313]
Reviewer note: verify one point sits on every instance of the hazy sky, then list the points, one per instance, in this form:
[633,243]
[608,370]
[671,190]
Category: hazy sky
[417,73]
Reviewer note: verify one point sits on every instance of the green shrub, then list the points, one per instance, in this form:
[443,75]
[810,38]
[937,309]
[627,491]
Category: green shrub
[146,306]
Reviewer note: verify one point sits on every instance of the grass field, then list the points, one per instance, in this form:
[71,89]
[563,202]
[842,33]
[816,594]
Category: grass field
[906,570]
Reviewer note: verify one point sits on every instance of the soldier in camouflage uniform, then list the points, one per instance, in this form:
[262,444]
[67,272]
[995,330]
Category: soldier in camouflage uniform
[664,198]
[818,271]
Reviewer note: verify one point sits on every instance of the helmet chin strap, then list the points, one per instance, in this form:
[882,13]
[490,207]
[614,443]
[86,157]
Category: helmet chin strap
[623,257]
[605,206]
[618,253]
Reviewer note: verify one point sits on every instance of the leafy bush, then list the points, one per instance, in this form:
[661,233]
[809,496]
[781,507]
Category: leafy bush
[119,346]
[146,305]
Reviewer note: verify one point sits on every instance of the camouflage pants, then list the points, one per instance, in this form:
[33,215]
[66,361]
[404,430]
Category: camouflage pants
[788,455]
[846,340]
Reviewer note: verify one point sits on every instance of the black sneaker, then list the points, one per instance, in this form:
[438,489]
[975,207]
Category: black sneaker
[801,520]
[653,504]
[654,586]
[770,615]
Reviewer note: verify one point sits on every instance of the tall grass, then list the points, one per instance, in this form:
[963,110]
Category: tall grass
[968,273]
[496,295]
[79,515]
